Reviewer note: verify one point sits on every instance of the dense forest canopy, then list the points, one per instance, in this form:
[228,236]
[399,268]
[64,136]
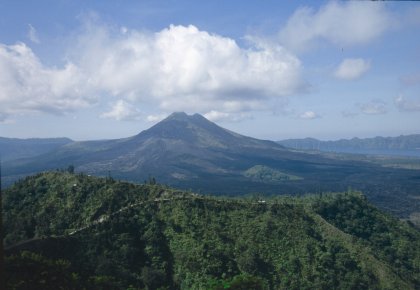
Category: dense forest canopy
[72,231]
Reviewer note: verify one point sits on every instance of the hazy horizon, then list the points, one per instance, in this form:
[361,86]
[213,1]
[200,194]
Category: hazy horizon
[320,139]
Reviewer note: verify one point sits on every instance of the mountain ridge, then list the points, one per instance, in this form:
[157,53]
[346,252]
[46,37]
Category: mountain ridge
[196,121]
[16,148]
[190,152]
[403,144]
[179,134]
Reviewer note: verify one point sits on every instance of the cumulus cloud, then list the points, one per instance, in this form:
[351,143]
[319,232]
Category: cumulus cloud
[309,115]
[32,34]
[217,116]
[177,68]
[123,111]
[184,68]
[352,68]
[29,86]
[374,107]
[156,118]
[341,23]
[407,105]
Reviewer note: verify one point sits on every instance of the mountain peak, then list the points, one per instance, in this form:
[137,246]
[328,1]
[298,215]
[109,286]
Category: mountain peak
[178,115]
[196,130]
[182,116]
[182,126]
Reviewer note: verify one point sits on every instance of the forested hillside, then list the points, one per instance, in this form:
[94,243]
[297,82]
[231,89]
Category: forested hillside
[72,231]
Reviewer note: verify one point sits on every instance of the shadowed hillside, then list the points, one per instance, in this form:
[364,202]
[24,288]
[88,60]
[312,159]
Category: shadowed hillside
[90,233]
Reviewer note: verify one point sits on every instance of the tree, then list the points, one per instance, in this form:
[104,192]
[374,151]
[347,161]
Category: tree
[152,278]
[239,282]
[70,169]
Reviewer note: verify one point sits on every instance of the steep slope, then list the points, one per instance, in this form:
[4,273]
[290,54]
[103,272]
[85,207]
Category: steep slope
[92,233]
[178,135]
[197,130]
[190,152]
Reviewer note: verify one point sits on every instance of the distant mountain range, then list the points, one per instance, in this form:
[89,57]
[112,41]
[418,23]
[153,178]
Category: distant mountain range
[190,152]
[13,148]
[402,145]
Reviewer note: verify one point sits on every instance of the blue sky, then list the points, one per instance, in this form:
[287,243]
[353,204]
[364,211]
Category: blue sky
[267,69]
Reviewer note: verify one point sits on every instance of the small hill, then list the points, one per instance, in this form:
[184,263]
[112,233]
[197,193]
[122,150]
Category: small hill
[97,233]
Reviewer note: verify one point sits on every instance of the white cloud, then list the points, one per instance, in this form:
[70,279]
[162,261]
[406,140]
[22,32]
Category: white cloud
[217,116]
[32,34]
[28,86]
[123,30]
[352,68]
[180,68]
[374,107]
[407,105]
[309,115]
[123,111]
[156,118]
[184,68]
[341,23]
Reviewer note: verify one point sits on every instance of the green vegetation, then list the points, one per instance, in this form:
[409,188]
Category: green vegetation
[266,174]
[27,269]
[73,231]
